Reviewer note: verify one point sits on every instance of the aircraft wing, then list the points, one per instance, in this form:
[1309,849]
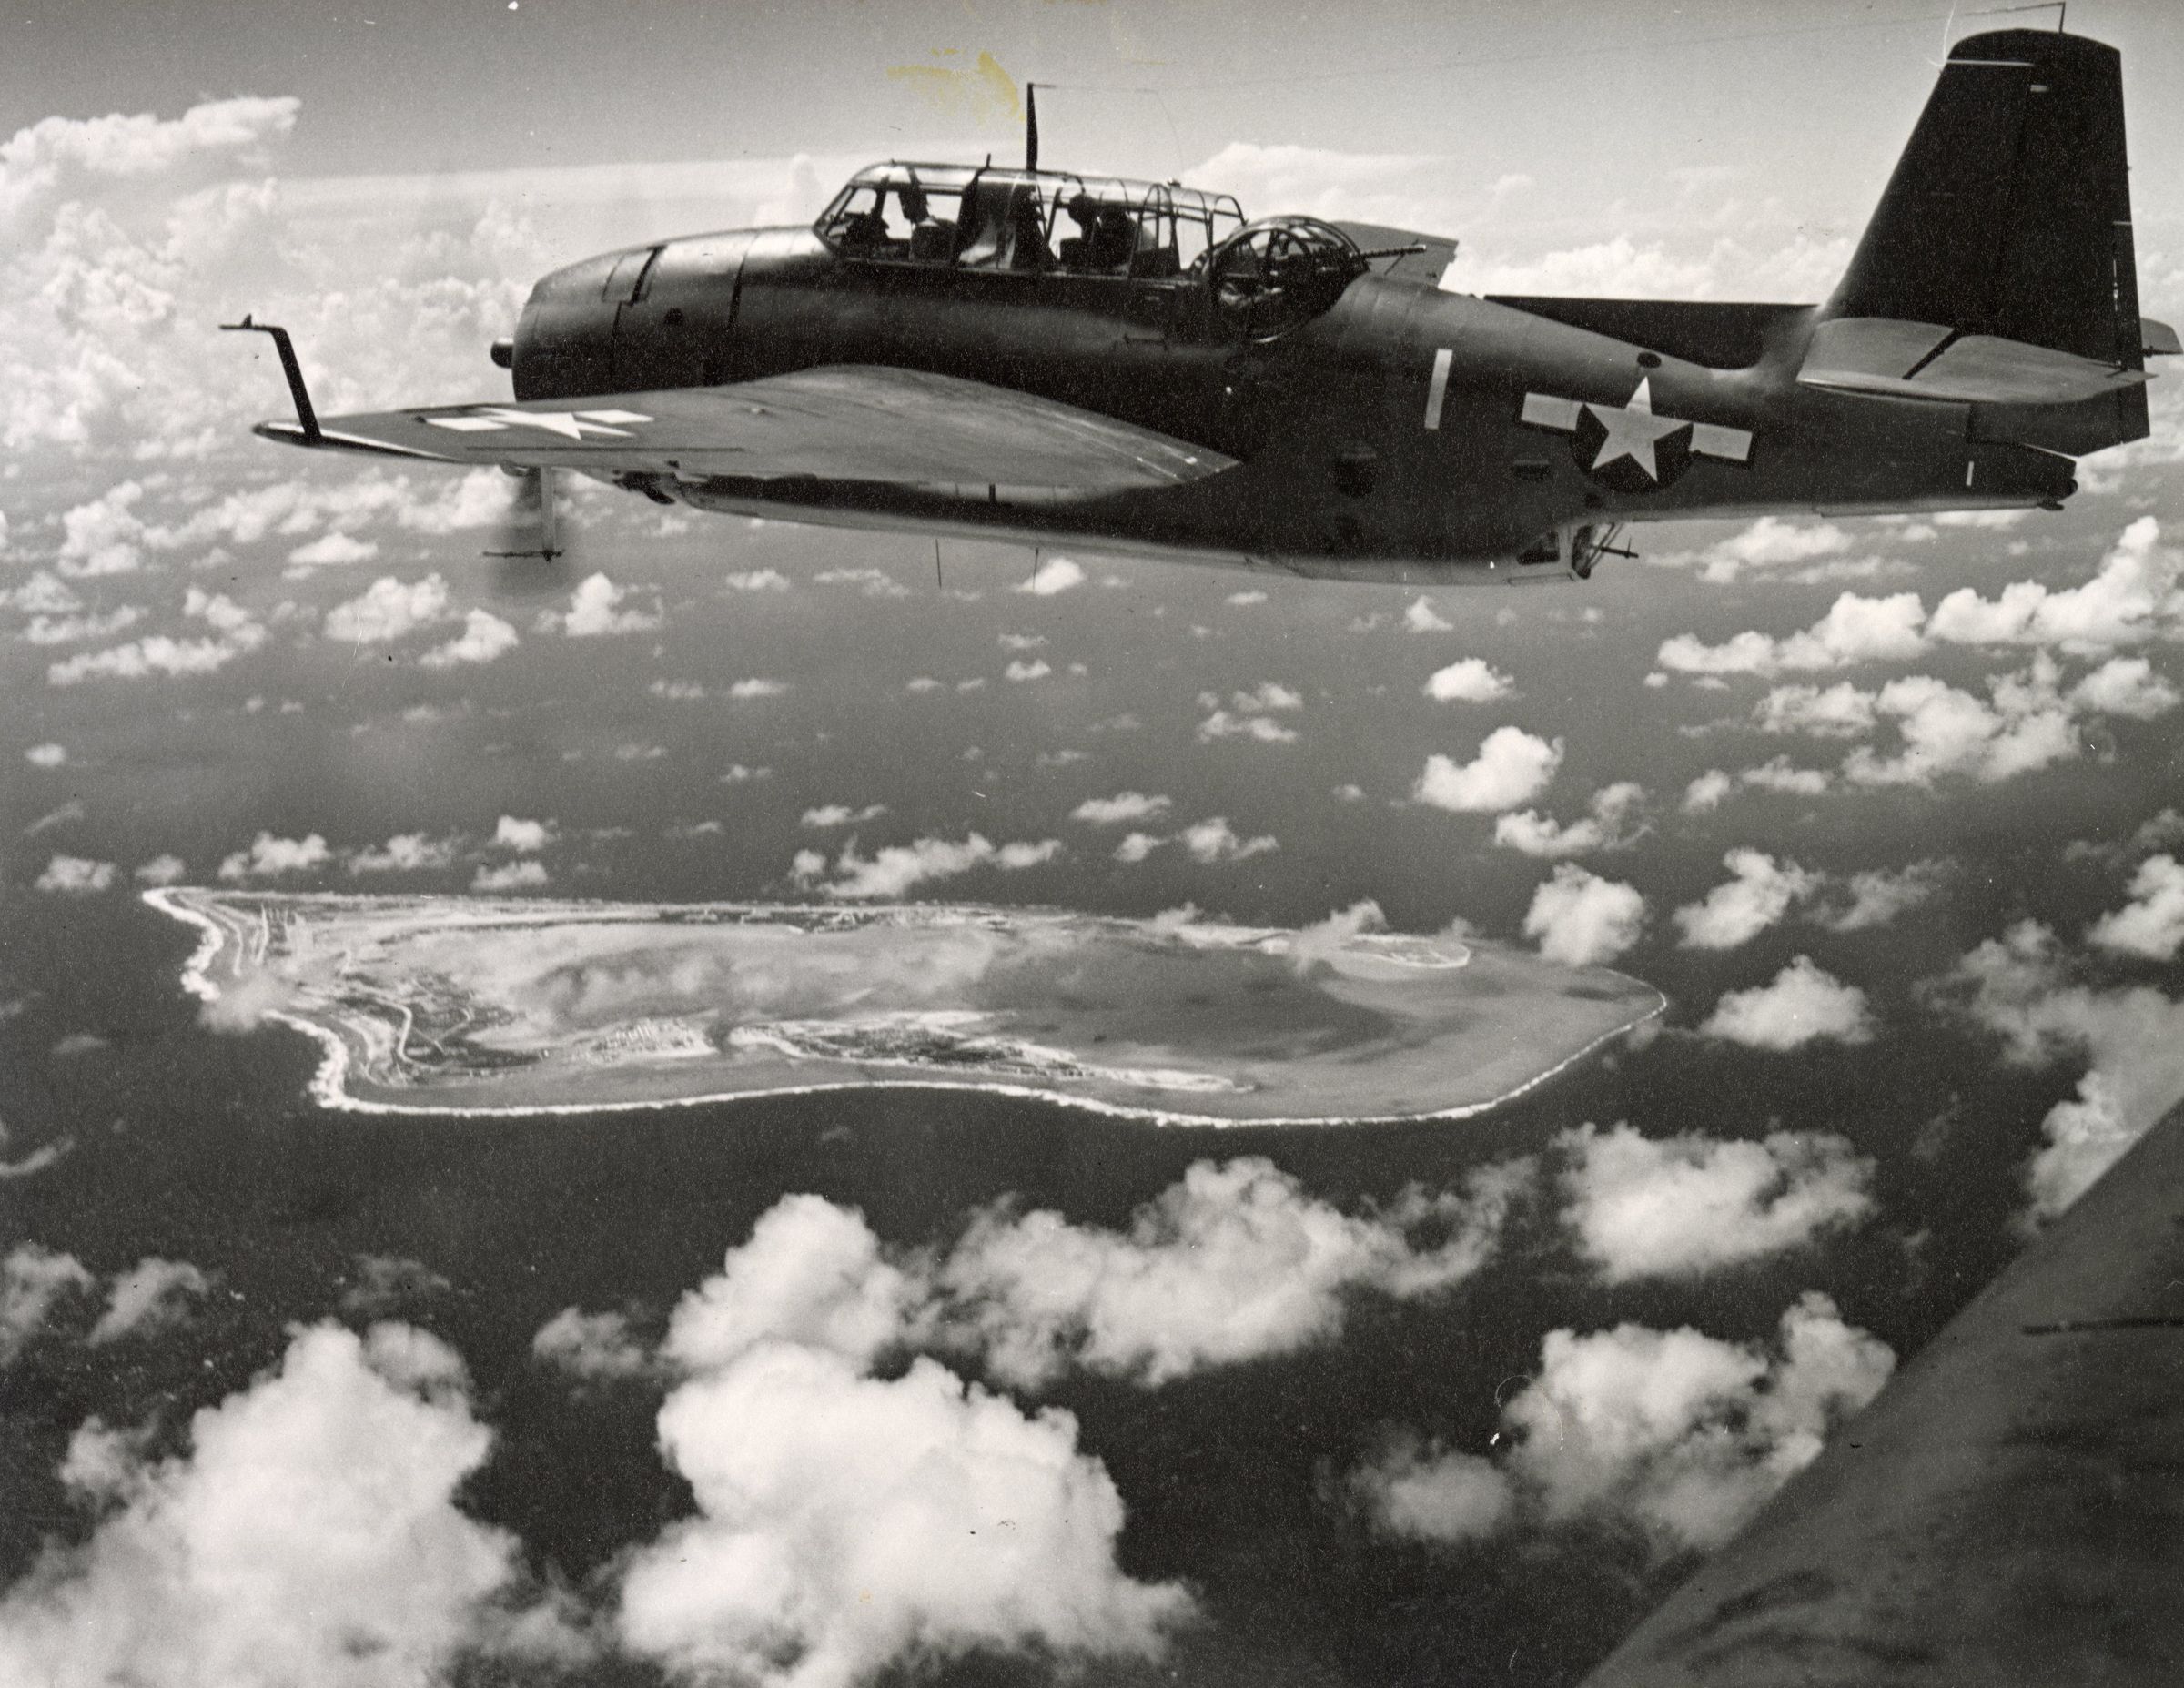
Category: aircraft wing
[2009,1510]
[841,422]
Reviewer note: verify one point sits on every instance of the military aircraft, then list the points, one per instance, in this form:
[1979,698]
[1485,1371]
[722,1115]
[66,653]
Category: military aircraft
[1036,354]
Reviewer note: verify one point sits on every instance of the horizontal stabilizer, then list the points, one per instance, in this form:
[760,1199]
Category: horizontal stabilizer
[843,424]
[1924,361]
[2158,339]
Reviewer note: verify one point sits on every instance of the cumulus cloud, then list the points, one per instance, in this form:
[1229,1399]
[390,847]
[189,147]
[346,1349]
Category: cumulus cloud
[1708,792]
[1235,1262]
[1421,616]
[1778,774]
[872,583]
[33,1280]
[828,815]
[1310,947]
[893,871]
[1837,711]
[1683,1435]
[1855,630]
[152,1296]
[847,1522]
[161,655]
[1770,542]
[405,853]
[270,858]
[1213,841]
[310,1534]
[2151,923]
[1802,1002]
[744,690]
[1679,1205]
[1582,920]
[1614,821]
[2135,596]
[1759,892]
[1672,1436]
[46,630]
[2132,1040]
[2126,685]
[593,1347]
[335,550]
[1122,807]
[75,875]
[1056,574]
[485,638]
[1513,767]
[526,876]
[243,1006]
[1250,715]
[1471,680]
[526,837]
[106,260]
[387,609]
[48,755]
[1414,1491]
[1877,896]
[757,581]
[2023,726]
[594,610]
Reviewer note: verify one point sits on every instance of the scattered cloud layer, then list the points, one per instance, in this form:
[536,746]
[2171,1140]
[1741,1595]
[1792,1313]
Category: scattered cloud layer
[1614,819]
[1804,1003]
[1759,892]
[1671,1437]
[210,1568]
[896,869]
[1584,920]
[1675,1207]
[2021,987]
[1513,767]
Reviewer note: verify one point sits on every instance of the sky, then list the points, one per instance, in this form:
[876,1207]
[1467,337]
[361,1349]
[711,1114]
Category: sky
[865,1388]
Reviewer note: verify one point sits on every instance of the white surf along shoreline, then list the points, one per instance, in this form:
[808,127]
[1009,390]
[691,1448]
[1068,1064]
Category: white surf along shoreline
[329,1089]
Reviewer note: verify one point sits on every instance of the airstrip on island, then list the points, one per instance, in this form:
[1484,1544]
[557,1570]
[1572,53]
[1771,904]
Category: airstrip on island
[464,1005]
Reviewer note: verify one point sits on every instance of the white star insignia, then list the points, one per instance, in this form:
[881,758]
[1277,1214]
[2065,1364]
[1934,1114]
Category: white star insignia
[1633,429]
[569,424]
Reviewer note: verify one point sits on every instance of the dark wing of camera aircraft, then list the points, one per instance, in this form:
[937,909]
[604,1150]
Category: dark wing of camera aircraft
[2009,1510]
[1133,366]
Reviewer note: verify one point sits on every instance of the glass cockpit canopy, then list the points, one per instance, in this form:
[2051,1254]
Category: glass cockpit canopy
[968,216]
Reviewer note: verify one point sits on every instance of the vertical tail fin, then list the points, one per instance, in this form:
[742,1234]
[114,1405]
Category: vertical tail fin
[2010,213]
[2009,218]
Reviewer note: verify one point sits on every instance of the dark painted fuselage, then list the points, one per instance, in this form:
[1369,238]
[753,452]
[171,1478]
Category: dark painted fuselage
[1402,432]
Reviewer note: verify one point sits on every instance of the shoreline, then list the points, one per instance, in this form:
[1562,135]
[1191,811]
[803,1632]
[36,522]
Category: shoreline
[328,1084]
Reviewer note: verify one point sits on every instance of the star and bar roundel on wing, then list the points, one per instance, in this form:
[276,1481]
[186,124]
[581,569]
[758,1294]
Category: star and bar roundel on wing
[1630,448]
[486,418]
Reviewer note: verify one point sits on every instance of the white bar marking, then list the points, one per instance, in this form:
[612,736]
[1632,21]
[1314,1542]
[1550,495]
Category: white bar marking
[1547,411]
[1437,391]
[1714,439]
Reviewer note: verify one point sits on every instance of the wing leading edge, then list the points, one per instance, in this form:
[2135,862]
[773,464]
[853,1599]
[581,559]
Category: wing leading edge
[842,422]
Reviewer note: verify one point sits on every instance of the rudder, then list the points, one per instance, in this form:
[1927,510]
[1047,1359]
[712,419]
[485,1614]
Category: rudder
[2010,213]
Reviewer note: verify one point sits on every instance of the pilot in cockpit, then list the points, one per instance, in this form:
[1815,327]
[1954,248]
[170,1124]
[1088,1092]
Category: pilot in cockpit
[1106,238]
[930,240]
